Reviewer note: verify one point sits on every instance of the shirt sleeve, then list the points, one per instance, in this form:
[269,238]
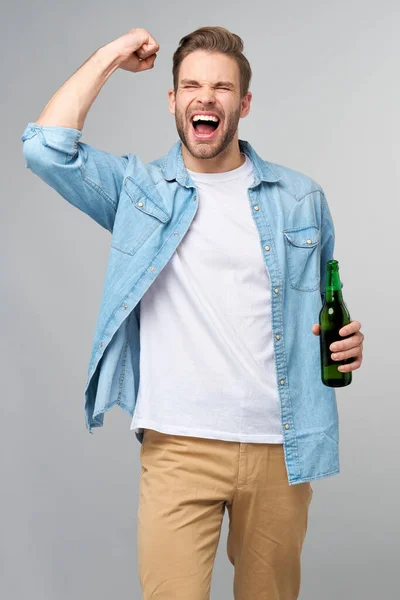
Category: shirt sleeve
[88,178]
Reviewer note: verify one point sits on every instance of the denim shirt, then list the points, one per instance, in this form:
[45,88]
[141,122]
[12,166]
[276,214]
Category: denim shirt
[148,209]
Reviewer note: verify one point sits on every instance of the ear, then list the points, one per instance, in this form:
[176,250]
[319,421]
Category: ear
[171,101]
[245,105]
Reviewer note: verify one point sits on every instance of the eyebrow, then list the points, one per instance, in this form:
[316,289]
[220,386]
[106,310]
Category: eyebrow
[224,83]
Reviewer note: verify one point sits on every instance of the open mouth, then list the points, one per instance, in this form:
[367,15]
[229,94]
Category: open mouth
[205,128]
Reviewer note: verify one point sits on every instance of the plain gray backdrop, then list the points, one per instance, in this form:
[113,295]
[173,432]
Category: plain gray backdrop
[326,99]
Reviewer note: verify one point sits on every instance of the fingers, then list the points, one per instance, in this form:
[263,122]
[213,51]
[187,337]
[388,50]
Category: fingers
[352,327]
[351,342]
[147,63]
[137,50]
[148,48]
[153,44]
[350,348]
[353,352]
[350,367]
[147,53]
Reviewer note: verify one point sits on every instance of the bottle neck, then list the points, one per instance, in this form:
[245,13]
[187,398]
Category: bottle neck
[332,296]
[333,288]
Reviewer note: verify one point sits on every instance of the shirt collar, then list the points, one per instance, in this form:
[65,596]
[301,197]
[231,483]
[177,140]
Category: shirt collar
[174,168]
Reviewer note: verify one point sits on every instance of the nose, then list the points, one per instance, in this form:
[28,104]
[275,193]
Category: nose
[206,95]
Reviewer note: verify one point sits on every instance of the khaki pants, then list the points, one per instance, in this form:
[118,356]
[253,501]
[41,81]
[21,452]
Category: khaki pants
[185,485]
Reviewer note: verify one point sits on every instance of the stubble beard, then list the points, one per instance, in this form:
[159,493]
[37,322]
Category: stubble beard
[207,149]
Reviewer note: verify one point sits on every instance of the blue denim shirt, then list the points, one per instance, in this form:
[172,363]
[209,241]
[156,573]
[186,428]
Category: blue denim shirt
[148,208]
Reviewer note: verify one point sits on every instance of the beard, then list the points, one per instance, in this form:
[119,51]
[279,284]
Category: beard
[207,149]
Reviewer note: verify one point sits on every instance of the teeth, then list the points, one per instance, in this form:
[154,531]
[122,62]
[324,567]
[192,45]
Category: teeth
[205,118]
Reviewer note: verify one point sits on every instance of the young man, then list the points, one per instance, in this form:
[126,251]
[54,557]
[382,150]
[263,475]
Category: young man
[213,288]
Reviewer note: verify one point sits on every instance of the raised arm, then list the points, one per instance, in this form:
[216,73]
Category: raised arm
[88,178]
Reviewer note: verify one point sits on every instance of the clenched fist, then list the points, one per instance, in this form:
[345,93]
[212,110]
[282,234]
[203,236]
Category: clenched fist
[136,49]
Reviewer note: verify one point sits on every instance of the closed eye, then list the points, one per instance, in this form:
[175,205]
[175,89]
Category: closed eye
[193,86]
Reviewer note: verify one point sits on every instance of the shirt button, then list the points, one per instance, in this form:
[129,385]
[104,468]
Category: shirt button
[140,203]
[152,268]
[125,306]
[278,337]
[267,248]
[194,197]
[282,382]
[101,345]
[287,426]
[309,241]
[176,232]
[276,290]
[256,207]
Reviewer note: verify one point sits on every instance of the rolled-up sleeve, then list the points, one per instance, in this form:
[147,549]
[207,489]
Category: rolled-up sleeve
[88,178]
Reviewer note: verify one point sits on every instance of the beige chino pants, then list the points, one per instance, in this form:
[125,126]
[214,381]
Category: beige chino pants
[185,485]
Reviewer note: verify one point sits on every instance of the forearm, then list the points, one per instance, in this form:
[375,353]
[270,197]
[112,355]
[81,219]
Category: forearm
[71,103]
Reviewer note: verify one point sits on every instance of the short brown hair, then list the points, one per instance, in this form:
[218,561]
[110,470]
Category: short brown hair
[213,39]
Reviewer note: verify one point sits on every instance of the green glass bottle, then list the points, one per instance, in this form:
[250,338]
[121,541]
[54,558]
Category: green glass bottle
[333,316]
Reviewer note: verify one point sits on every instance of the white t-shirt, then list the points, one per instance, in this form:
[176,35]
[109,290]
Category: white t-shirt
[207,365]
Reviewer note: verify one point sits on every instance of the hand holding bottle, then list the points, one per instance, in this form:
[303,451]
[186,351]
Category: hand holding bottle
[338,357]
[352,346]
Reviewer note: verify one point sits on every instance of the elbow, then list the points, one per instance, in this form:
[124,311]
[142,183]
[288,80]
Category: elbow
[40,157]
[32,151]
[31,145]
[48,145]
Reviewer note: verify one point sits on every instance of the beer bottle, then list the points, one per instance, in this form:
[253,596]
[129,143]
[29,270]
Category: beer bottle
[333,316]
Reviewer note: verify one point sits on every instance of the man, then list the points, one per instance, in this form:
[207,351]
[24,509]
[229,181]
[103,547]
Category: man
[213,287]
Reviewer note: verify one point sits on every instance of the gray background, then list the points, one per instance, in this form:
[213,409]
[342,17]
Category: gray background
[325,87]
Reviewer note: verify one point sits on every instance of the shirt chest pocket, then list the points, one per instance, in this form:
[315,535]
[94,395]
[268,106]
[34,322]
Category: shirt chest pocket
[138,218]
[302,246]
